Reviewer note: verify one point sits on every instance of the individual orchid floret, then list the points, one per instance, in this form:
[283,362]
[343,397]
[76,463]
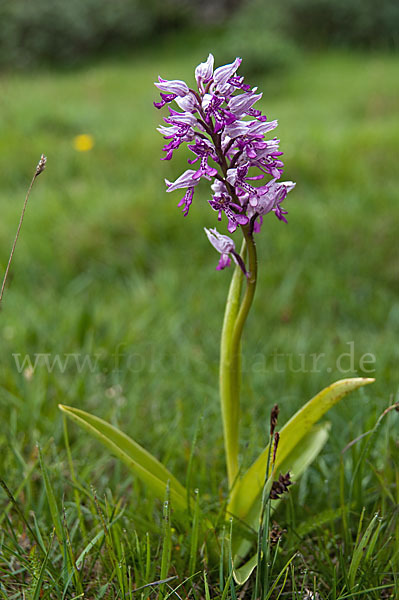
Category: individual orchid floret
[203,150]
[181,129]
[212,108]
[226,247]
[236,129]
[241,104]
[204,72]
[187,103]
[223,203]
[186,180]
[174,86]
[258,129]
[174,89]
[275,193]
[222,75]
[264,156]
[270,201]
[239,179]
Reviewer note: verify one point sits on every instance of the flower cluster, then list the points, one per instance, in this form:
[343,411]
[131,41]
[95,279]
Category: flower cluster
[226,134]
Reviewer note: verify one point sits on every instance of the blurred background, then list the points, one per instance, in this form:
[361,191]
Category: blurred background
[70,33]
[107,269]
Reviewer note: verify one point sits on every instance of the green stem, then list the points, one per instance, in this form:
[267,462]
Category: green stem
[250,290]
[230,355]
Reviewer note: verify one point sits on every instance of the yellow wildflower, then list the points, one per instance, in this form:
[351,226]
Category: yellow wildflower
[83,142]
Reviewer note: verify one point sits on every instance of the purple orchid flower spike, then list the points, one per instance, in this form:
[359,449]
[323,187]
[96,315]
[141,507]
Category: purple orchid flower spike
[226,247]
[228,137]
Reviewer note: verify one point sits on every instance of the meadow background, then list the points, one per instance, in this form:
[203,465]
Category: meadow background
[108,269]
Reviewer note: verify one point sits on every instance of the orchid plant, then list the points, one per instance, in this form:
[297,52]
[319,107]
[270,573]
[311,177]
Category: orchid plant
[229,140]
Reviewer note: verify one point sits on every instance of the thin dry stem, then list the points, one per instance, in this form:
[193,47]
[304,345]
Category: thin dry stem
[41,165]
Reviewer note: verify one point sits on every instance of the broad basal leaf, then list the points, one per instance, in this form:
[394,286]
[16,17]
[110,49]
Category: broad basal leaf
[141,462]
[246,492]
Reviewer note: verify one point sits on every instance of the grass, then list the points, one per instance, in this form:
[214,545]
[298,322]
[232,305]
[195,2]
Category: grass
[107,268]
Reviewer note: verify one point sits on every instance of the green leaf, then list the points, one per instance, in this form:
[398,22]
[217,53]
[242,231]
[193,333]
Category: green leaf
[142,463]
[243,573]
[300,458]
[248,489]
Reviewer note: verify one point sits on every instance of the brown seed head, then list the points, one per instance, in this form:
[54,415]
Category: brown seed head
[280,486]
[276,534]
[41,165]
[276,441]
[273,418]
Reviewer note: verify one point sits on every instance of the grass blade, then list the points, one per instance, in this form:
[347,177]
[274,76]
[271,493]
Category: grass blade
[55,514]
[167,540]
[194,535]
[360,551]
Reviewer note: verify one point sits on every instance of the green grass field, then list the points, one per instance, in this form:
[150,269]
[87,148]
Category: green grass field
[108,269]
